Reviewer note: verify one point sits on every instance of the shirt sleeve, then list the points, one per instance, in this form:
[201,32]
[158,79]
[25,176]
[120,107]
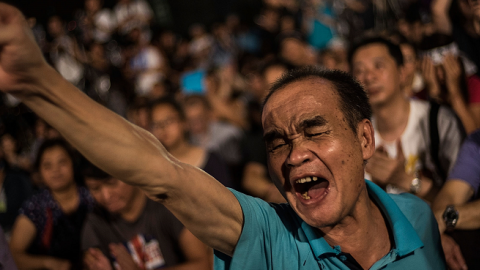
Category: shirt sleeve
[467,166]
[451,135]
[254,248]
[89,237]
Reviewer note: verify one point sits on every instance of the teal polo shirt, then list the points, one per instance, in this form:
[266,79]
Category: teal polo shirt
[274,237]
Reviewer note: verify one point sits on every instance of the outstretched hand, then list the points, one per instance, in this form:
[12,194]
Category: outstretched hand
[21,59]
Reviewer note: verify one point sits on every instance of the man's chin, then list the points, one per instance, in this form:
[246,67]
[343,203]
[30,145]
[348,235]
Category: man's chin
[318,219]
[114,209]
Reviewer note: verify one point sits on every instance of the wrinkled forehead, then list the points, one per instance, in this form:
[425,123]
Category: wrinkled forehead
[308,96]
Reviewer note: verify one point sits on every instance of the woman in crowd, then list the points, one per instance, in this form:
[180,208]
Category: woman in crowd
[46,234]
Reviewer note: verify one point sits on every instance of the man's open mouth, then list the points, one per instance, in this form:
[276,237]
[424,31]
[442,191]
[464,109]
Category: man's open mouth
[311,187]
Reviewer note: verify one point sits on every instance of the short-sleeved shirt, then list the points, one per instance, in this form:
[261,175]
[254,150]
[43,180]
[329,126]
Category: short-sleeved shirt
[416,141]
[58,234]
[467,166]
[152,239]
[274,237]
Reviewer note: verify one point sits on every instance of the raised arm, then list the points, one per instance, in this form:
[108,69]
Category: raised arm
[123,150]
[440,17]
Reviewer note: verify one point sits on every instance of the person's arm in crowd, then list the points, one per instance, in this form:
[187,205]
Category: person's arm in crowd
[23,234]
[255,183]
[453,76]
[475,4]
[123,150]
[440,17]
[457,192]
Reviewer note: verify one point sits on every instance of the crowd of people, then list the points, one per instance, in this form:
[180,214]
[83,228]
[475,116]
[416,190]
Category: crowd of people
[202,97]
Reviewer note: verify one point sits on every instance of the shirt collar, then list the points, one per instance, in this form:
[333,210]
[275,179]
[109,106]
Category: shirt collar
[406,239]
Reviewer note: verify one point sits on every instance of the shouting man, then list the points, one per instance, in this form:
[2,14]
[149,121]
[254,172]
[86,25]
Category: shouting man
[318,137]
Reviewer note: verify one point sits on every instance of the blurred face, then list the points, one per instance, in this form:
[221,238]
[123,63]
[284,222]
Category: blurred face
[314,157]
[112,194]
[293,50]
[409,62]
[273,73]
[97,52]
[55,26]
[167,126]
[198,118]
[56,168]
[92,5]
[377,70]
[9,144]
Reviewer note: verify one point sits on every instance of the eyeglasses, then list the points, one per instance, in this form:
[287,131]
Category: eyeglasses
[165,123]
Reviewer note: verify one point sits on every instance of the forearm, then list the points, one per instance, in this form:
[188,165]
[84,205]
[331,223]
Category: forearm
[26,262]
[461,109]
[468,216]
[440,16]
[476,26]
[120,148]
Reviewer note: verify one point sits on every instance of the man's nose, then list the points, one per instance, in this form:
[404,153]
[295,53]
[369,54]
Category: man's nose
[105,194]
[369,76]
[299,154]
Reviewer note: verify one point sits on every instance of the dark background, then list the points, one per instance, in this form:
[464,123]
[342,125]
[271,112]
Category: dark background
[177,15]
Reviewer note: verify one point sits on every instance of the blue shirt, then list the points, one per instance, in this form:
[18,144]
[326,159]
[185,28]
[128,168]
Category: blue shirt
[467,167]
[274,237]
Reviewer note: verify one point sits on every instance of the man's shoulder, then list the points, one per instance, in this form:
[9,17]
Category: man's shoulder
[412,206]
[261,210]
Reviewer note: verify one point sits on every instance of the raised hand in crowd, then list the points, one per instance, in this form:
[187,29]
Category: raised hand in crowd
[453,73]
[453,78]
[475,4]
[428,72]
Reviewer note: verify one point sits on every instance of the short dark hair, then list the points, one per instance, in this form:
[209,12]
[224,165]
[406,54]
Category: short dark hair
[352,97]
[89,170]
[51,143]
[195,99]
[393,49]
[169,101]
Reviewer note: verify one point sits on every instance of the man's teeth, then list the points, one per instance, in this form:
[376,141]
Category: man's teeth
[306,179]
[305,196]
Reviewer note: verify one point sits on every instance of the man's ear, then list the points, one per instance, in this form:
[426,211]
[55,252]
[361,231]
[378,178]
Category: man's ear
[366,137]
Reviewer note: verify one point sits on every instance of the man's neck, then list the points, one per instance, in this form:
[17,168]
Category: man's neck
[135,207]
[391,118]
[365,225]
